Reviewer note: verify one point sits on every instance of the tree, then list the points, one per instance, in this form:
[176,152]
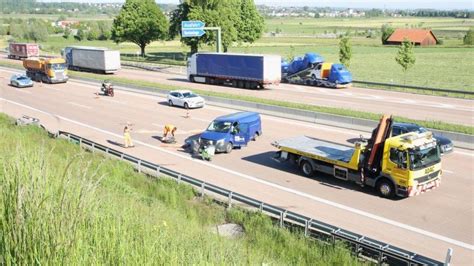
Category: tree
[80,35]
[251,24]
[345,51]
[93,33]
[242,21]
[67,33]
[387,30]
[105,30]
[469,37]
[140,22]
[406,56]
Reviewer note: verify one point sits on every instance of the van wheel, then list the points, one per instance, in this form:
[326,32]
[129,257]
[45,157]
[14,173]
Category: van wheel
[256,136]
[306,168]
[229,147]
[385,188]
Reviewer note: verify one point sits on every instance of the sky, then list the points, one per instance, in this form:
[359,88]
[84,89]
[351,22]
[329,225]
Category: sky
[387,4]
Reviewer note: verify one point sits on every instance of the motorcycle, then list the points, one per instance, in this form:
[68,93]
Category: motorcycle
[107,88]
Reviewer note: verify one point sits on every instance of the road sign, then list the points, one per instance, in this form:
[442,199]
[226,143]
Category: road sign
[192,32]
[195,24]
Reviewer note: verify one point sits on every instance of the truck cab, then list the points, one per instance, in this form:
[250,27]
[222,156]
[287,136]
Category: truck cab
[234,130]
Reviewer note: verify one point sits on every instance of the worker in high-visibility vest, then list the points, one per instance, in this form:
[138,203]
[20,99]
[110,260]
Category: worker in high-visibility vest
[169,129]
[126,135]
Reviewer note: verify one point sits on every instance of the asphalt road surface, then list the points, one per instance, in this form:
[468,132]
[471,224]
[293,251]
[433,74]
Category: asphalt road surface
[428,224]
[415,106]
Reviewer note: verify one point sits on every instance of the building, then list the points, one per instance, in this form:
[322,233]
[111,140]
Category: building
[417,36]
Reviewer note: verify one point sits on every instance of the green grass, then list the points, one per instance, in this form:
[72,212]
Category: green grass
[63,205]
[440,125]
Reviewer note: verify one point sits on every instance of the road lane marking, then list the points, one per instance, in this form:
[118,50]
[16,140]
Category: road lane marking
[79,105]
[273,185]
[448,172]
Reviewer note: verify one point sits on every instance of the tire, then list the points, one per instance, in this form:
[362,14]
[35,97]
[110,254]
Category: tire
[256,136]
[313,77]
[385,188]
[306,168]
[186,106]
[170,103]
[229,147]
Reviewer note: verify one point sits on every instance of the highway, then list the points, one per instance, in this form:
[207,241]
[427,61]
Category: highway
[415,106]
[428,224]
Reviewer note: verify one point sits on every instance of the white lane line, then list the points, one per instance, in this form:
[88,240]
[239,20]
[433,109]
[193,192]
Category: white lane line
[79,105]
[447,171]
[289,190]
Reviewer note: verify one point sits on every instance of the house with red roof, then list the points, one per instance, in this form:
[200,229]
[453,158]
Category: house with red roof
[417,36]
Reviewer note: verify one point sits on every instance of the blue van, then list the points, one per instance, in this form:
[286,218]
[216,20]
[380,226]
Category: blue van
[234,130]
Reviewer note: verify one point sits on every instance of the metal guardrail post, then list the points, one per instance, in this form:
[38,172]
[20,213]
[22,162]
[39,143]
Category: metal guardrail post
[229,203]
[178,180]
[282,218]
[80,142]
[307,223]
[449,255]
[107,150]
[261,206]
[202,188]
[93,147]
[121,155]
[139,166]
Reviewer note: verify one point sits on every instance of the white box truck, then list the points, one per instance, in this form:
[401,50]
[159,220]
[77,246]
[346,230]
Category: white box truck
[92,59]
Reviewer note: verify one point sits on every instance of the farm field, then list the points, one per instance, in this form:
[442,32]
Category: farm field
[447,66]
[63,205]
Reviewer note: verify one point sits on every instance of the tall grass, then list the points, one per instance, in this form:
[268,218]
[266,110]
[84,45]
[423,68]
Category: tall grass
[62,205]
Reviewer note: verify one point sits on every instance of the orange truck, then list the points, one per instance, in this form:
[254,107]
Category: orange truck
[48,70]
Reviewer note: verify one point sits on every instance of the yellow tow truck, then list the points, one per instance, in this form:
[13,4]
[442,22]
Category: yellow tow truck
[405,165]
[48,70]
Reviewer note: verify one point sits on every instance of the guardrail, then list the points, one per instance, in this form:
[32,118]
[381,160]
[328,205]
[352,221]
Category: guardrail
[433,90]
[362,246]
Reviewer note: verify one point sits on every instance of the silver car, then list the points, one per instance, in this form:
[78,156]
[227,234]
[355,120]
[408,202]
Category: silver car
[185,98]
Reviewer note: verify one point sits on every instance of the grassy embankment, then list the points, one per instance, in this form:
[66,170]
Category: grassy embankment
[440,125]
[63,205]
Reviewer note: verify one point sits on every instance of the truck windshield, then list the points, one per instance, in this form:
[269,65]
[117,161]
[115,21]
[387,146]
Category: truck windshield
[219,126]
[422,158]
[57,66]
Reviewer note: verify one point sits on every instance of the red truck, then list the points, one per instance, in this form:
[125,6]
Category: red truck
[23,50]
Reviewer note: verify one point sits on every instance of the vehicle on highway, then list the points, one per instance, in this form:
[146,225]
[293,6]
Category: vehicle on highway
[48,70]
[107,88]
[92,59]
[250,71]
[21,81]
[445,144]
[22,50]
[234,130]
[185,98]
[403,165]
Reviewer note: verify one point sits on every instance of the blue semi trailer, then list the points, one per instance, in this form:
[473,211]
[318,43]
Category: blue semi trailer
[312,70]
[248,71]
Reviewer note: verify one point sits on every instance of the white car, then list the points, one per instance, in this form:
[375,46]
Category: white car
[185,98]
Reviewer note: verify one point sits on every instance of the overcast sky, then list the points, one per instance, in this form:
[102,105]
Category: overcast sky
[409,4]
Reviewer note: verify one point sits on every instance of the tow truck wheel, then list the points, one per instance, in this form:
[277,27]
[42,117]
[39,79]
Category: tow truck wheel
[307,168]
[385,188]
[228,147]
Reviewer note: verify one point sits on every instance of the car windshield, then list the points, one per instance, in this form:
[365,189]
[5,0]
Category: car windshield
[57,66]
[22,78]
[189,95]
[219,126]
[422,158]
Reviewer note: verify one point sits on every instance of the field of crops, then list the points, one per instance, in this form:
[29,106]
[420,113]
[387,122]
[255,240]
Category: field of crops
[62,205]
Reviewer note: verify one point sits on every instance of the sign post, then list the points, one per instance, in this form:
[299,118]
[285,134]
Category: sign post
[196,29]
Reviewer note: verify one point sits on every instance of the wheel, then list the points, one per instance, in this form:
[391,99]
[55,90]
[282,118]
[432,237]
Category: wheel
[385,188]
[228,147]
[307,168]
[186,106]
[112,94]
[313,77]
[170,103]
[256,136]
